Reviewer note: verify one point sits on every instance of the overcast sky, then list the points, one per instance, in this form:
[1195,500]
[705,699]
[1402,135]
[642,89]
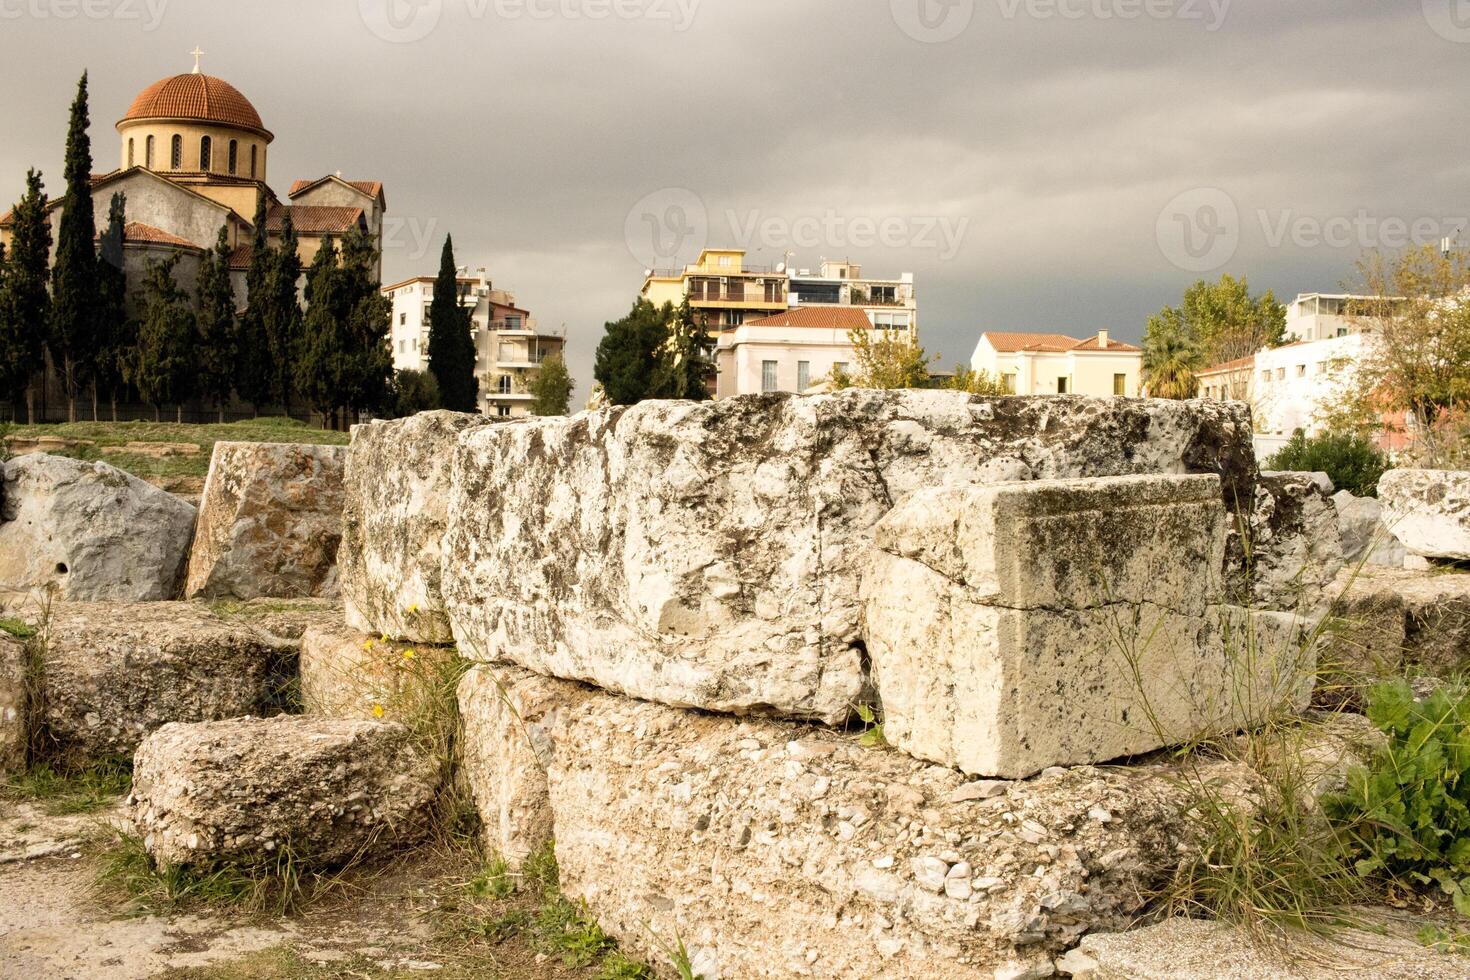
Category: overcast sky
[1059,165]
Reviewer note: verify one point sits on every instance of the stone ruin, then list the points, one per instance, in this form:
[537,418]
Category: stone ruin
[668,618]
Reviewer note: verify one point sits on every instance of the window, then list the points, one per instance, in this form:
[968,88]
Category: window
[502,384]
[148,153]
[1120,384]
[803,375]
[206,152]
[234,156]
[403,319]
[176,153]
[130,151]
[252,161]
[513,322]
[1062,384]
[1008,383]
[1281,374]
[768,375]
[503,411]
[1301,370]
[724,261]
[1266,376]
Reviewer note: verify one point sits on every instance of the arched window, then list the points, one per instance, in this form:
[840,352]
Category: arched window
[504,384]
[206,150]
[234,156]
[148,153]
[176,156]
[252,161]
[130,151]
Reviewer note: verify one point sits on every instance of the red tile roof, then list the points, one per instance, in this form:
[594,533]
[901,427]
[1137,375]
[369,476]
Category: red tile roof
[136,231]
[1010,343]
[372,188]
[1114,346]
[197,97]
[1235,365]
[827,317]
[313,220]
[241,256]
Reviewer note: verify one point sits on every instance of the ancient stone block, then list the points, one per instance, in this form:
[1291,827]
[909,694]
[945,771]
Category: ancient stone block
[771,849]
[240,791]
[509,719]
[1429,511]
[14,704]
[1389,621]
[347,674]
[708,555]
[1294,549]
[1017,627]
[1365,540]
[393,523]
[269,523]
[113,672]
[89,530]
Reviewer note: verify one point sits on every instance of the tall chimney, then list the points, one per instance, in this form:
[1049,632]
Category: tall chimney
[1102,339]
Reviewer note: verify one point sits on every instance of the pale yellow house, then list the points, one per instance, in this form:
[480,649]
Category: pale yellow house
[721,286]
[1056,364]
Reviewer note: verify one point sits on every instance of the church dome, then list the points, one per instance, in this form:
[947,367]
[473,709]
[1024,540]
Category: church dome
[198,98]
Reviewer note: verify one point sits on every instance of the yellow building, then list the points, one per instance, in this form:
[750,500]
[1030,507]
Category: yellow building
[721,286]
[1055,364]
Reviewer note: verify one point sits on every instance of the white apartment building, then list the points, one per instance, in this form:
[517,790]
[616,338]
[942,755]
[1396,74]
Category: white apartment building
[889,304]
[1056,364]
[792,351]
[509,346]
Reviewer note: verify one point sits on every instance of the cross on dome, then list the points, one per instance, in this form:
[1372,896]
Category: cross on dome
[197,55]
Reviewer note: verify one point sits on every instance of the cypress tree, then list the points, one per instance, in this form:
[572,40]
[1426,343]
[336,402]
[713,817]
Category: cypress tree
[253,367]
[116,333]
[163,368]
[684,362]
[217,339]
[25,303]
[74,276]
[321,365]
[370,320]
[282,311]
[451,345]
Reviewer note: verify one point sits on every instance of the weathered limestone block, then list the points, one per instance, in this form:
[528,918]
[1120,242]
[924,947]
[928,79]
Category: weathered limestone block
[270,522]
[1365,540]
[708,555]
[89,530]
[775,850]
[347,674]
[1017,627]
[393,522]
[14,704]
[1384,946]
[1295,546]
[285,620]
[1389,621]
[239,791]
[113,672]
[509,719]
[1429,511]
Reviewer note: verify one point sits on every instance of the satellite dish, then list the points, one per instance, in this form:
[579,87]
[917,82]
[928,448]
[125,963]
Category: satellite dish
[781,267]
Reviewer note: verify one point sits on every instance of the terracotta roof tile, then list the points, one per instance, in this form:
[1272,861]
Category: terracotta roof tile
[1010,343]
[1114,346]
[827,317]
[1235,365]
[136,231]
[312,219]
[241,256]
[372,188]
[201,97]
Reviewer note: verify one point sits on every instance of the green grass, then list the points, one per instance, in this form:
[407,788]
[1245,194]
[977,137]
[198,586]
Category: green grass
[17,628]
[105,434]
[63,793]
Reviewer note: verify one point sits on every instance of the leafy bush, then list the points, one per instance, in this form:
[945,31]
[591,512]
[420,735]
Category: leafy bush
[1407,813]
[414,392]
[1351,461]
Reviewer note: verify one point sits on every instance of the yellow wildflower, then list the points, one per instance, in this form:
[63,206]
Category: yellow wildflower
[413,608]
[408,655]
[367,645]
[377,711]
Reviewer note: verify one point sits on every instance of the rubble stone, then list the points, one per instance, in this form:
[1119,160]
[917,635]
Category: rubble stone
[113,672]
[1429,511]
[270,522]
[1391,621]
[708,555]
[393,522]
[240,791]
[14,704]
[1295,546]
[1364,538]
[89,531]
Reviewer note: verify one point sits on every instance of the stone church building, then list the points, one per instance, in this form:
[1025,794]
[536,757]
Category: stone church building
[194,156]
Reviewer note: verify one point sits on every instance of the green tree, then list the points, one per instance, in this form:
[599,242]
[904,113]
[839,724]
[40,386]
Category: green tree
[684,363]
[25,303]
[369,323]
[345,366]
[977,382]
[282,313]
[552,387]
[321,364]
[1171,358]
[627,359]
[116,332]
[254,370]
[451,345]
[164,369]
[414,392]
[218,342]
[73,337]
[892,360]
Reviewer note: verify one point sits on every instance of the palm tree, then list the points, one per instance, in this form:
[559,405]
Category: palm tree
[1170,357]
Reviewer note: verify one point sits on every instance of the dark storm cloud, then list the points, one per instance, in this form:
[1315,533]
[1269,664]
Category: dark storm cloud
[1023,169]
